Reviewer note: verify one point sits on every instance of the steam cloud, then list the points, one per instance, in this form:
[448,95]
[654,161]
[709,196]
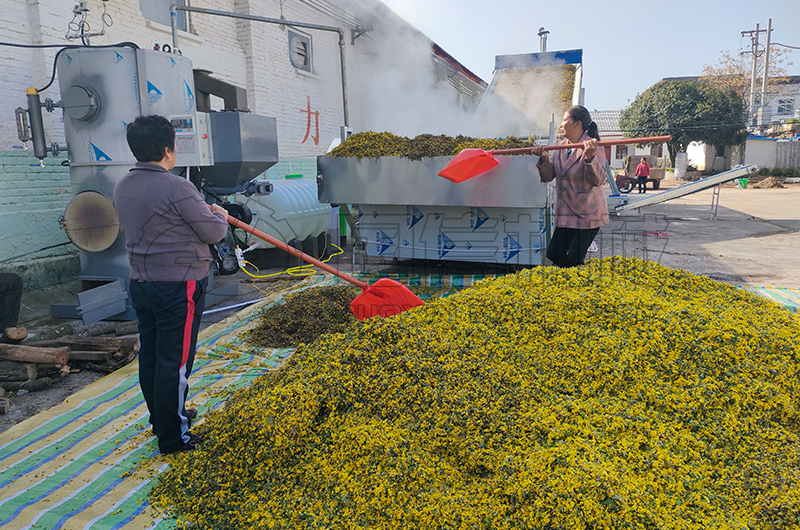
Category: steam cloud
[406,91]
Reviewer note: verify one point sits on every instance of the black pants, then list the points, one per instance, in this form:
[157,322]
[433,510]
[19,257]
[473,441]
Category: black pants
[169,319]
[10,297]
[569,245]
[642,184]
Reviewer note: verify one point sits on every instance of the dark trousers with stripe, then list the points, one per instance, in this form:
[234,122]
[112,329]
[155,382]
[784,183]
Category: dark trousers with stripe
[569,245]
[169,319]
[10,297]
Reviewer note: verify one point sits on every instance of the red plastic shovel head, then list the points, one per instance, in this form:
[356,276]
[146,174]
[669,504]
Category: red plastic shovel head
[467,164]
[385,298]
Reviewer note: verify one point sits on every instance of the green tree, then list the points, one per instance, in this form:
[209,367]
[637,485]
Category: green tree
[689,111]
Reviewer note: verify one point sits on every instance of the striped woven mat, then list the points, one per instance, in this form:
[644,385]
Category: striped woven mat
[788,297]
[90,461]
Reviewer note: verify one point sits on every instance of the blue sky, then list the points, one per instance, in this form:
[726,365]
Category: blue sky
[628,45]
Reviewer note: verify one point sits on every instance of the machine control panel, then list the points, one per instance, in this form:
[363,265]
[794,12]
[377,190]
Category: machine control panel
[184,133]
[186,139]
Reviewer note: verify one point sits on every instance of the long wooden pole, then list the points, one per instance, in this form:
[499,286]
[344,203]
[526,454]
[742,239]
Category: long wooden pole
[555,147]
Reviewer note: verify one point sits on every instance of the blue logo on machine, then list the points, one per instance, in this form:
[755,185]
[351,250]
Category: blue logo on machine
[477,218]
[69,59]
[360,213]
[405,242]
[153,92]
[444,244]
[413,216]
[172,62]
[374,214]
[469,246]
[118,57]
[99,155]
[189,96]
[503,218]
[383,242]
[510,247]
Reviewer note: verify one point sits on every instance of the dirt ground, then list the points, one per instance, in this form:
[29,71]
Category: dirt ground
[753,240]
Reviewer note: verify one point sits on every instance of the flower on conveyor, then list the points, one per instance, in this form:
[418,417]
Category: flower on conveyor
[620,394]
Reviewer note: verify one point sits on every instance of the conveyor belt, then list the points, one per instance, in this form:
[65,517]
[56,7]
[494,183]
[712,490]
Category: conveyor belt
[686,189]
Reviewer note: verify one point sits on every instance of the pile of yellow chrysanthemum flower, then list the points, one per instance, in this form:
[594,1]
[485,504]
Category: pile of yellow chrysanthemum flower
[621,394]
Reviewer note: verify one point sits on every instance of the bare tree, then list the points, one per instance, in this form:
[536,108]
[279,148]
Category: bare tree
[733,72]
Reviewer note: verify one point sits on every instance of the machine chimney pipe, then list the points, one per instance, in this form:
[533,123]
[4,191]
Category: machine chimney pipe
[37,126]
[543,33]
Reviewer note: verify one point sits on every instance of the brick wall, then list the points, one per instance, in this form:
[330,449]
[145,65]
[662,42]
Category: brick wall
[31,201]
[308,106]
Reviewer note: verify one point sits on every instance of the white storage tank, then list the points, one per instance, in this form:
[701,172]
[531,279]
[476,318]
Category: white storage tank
[291,211]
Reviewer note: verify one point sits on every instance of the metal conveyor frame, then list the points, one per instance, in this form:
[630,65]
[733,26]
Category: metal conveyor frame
[688,189]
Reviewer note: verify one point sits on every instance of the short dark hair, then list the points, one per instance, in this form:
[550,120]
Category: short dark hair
[148,136]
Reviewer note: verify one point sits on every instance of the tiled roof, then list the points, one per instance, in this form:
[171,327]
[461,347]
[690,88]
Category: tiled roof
[607,122]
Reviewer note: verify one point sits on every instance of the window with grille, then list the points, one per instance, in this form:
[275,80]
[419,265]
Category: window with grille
[300,51]
[785,106]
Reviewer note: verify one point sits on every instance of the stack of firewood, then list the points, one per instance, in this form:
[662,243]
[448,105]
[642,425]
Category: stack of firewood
[35,365]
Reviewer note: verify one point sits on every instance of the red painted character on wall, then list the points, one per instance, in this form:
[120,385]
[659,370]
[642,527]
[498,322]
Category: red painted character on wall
[315,113]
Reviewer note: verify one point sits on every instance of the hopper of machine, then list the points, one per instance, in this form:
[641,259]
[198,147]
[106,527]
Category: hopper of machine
[405,210]
[244,145]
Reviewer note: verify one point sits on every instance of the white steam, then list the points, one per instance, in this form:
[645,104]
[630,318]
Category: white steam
[406,90]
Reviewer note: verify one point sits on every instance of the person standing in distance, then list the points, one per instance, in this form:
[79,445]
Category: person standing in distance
[167,228]
[643,173]
[581,207]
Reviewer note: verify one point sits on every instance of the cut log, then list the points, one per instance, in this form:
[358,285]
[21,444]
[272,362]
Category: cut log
[127,328]
[89,344]
[30,386]
[34,354]
[14,335]
[17,371]
[61,370]
[102,328]
[95,356]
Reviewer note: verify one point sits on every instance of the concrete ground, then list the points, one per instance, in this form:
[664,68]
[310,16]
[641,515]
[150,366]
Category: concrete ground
[754,240]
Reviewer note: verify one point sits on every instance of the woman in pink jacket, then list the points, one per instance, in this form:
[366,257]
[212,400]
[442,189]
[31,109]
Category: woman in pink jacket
[581,206]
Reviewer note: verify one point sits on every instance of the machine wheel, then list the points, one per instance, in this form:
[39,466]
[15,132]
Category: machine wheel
[625,185]
[656,184]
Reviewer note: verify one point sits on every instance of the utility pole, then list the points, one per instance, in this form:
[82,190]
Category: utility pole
[766,73]
[754,51]
[754,71]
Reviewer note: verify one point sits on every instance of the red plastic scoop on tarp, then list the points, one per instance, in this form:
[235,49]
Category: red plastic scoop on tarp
[472,162]
[384,298]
